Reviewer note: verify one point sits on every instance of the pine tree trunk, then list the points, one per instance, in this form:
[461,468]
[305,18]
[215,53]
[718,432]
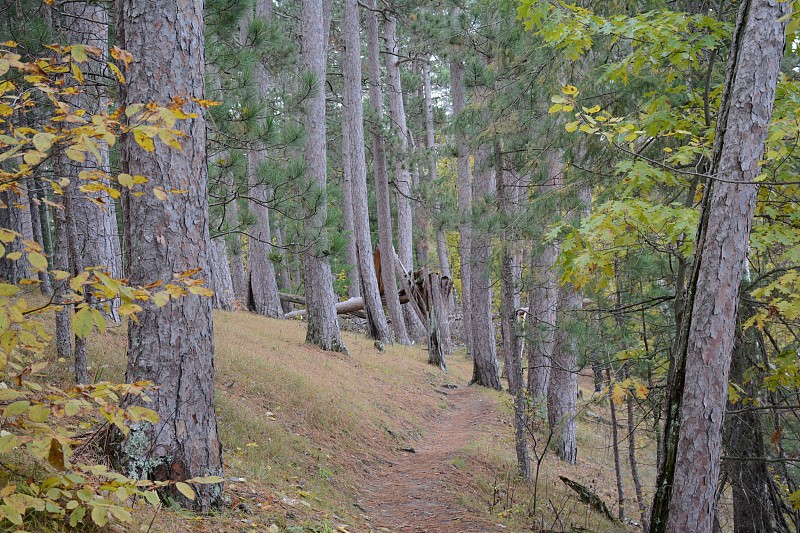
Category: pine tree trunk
[76,266]
[171,346]
[637,484]
[486,370]
[262,284]
[562,391]
[61,262]
[221,282]
[687,485]
[378,328]
[403,179]
[543,297]
[38,235]
[95,225]
[381,181]
[351,255]
[323,325]
[234,245]
[615,450]
[464,200]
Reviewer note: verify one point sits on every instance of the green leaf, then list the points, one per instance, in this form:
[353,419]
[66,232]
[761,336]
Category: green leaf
[77,515]
[206,479]
[37,261]
[16,408]
[82,322]
[100,515]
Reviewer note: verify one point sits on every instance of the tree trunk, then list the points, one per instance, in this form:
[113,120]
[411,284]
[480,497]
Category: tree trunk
[221,282]
[615,449]
[464,199]
[543,296]
[486,370]
[234,245]
[61,262]
[351,255]
[637,484]
[562,391]
[381,180]
[38,234]
[76,266]
[94,214]
[687,485]
[262,284]
[354,116]
[323,326]
[171,346]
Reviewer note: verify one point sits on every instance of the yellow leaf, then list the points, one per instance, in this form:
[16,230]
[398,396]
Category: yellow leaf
[160,298]
[571,126]
[34,157]
[6,235]
[77,74]
[594,109]
[133,109]
[37,261]
[126,180]
[14,256]
[555,108]
[43,141]
[82,322]
[6,110]
[169,139]
[143,140]
[4,66]
[569,90]
[618,394]
[185,489]
[75,154]
[116,71]
[201,291]
[160,193]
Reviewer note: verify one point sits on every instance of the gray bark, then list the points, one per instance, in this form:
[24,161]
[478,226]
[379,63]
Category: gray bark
[403,178]
[221,282]
[720,256]
[354,116]
[38,234]
[486,370]
[61,262]
[93,214]
[562,391]
[464,199]
[351,255]
[323,326]
[383,202]
[262,284]
[171,346]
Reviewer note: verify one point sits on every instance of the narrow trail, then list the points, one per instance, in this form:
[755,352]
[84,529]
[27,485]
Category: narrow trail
[417,492]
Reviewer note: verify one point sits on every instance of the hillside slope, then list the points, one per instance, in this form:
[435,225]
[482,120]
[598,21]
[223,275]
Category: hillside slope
[313,439]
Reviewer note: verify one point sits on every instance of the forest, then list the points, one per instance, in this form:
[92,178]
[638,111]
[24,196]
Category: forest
[382,265]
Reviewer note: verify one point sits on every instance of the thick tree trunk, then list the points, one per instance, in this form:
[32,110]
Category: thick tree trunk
[687,485]
[464,200]
[323,326]
[13,218]
[171,346]
[381,180]
[351,255]
[354,116]
[486,370]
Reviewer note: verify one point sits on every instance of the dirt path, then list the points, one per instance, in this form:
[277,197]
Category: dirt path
[416,492]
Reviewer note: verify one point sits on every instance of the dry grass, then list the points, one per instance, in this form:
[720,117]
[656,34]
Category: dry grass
[303,430]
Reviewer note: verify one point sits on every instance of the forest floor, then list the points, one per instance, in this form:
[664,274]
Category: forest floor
[418,490]
[313,441]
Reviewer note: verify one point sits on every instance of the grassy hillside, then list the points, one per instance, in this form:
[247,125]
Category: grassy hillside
[304,430]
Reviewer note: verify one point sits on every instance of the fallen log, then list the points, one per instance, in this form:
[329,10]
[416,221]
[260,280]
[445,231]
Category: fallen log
[353,306]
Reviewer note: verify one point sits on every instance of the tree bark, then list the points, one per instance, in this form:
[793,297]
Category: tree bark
[562,391]
[383,201]
[221,282]
[93,214]
[464,199]
[323,326]
[687,485]
[405,215]
[351,255]
[486,370]
[543,295]
[38,234]
[354,116]
[262,284]
[171,346]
